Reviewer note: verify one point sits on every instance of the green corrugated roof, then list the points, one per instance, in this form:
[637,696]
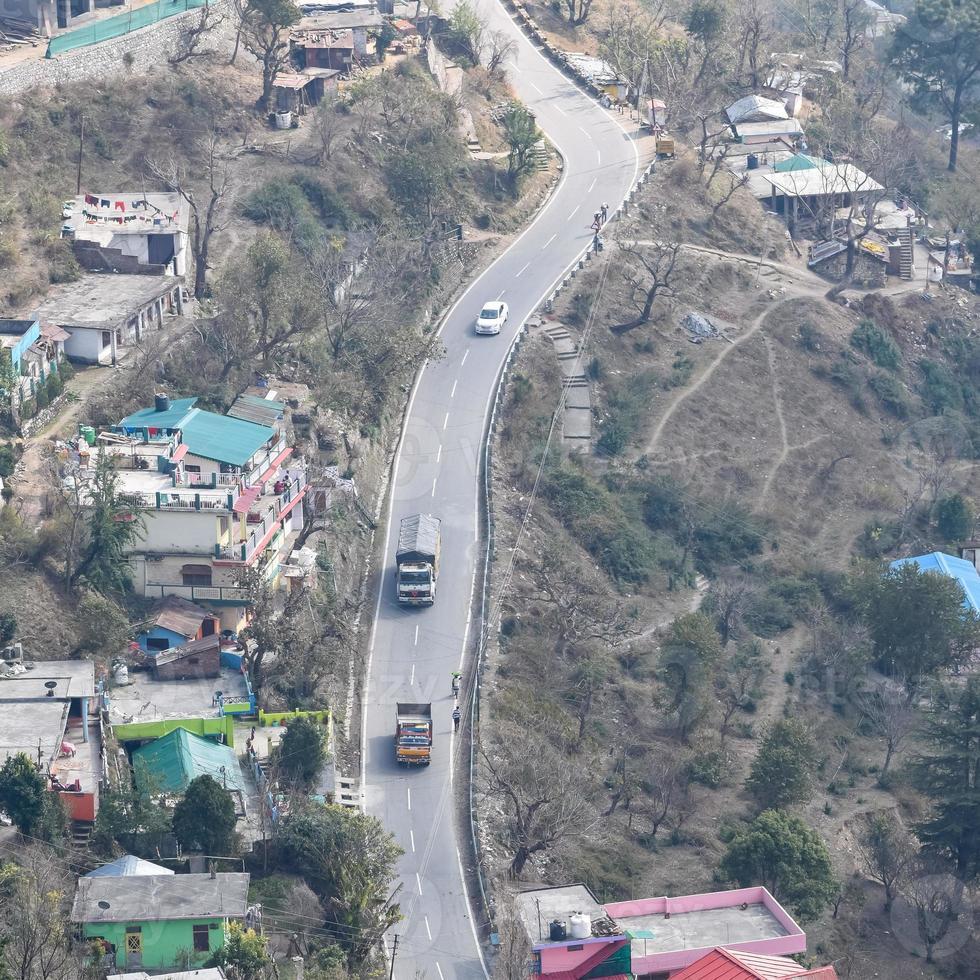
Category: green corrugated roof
[150,418]
[223,439]
[171,763]
[798,161]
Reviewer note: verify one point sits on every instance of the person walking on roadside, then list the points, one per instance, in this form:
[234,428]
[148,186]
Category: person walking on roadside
[457,714]
[455,682]
[605,213]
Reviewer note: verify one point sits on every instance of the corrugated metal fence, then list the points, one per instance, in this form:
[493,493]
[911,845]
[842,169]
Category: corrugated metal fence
[104,30]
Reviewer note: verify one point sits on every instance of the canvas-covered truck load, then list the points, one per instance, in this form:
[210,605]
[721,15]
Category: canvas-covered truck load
[417,559]
[413,733]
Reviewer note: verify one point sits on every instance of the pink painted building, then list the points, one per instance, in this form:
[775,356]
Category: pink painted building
[575,937]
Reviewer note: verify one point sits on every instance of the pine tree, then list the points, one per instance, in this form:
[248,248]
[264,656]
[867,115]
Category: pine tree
[949,772]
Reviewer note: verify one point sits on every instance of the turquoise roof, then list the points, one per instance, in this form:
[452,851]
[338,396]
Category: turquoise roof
[218,437]
[169,764]
[958,568]
[222,438]
[799,161]
[150,418]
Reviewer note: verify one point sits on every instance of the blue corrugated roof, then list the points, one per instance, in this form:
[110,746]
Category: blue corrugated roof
[169,764]
[150,418]
[959,568]
[224,439]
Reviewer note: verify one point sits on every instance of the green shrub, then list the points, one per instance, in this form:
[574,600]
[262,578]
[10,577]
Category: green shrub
[707,767]
[940,389]
[65,370]
[954,517]
[890,393]
[41,397]
[809,337]
[726,535]
[663,504]
[876,344]
[845,375]
[54,386]
[8,460]
[767,614]
[27,409]
[628,406]
[573,495]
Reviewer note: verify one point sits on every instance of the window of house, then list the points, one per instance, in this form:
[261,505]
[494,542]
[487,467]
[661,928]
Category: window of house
[192,468]
[134,939]
[201,941]
[196,575]
[576,947]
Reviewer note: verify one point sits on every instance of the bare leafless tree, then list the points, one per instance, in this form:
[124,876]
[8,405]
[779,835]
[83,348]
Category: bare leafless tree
[36,898]
[648,271]
[498,46]
[264,30]
[667,786]
[891,717]
[190,41]
[206,204]
[582,608]
[886,850]
[549,803]
[578,11]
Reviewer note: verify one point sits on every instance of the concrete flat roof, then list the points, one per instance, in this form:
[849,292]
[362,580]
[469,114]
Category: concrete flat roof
[840,178]
[149,699]
[159,206]
[704,927]
[103,300]
[25,724]
[546,904]
[72,679]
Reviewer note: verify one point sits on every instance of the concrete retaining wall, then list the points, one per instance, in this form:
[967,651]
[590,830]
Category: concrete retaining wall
[135,53]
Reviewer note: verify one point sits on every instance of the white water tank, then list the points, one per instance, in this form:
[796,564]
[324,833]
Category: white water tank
[284,120]
[580,925]
[120,675]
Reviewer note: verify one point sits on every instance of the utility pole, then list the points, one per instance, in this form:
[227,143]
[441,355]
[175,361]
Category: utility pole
[394,950]
[81,141]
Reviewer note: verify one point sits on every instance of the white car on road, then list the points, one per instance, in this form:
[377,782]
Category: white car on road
[492,317]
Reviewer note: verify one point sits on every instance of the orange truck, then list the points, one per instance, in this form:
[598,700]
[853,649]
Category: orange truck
[413,733]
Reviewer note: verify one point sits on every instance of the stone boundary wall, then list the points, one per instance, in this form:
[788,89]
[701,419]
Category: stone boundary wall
[135,53]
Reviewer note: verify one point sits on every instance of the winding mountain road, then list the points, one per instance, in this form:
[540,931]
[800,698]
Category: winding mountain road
[414,651]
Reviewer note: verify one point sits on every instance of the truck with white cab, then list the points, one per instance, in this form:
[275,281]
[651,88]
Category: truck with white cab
[417,559]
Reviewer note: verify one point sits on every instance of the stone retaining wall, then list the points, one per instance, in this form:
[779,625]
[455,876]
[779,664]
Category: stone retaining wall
[135,53]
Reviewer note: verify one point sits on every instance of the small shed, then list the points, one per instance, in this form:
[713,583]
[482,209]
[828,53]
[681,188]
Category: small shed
[199,658]
[755,108]
[173,622]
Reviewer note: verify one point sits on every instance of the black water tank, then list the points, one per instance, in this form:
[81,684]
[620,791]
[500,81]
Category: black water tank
[557,931]
[161,402]
[752,162]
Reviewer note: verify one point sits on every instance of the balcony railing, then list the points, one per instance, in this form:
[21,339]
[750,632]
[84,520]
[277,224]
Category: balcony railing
[204,593]
[243,550]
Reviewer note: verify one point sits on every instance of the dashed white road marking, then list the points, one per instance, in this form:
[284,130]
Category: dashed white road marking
[408,789]
[445,422]
[411,838]
[575,212]
[434,485]
[594,179]
[416,634]
[466,353]
[523,268]
[428,931]
[438,457]
[549,241]
[418,881]
[452,394]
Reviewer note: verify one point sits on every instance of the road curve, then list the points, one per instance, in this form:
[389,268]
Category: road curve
[413,652]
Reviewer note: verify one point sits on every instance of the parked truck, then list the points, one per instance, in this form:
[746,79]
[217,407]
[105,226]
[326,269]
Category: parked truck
[413,733]
[417,558]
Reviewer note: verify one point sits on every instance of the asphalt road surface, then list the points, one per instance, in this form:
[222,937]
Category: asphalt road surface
[414,651]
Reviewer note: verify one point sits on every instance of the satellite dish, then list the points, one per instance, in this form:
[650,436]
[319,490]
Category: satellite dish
[103,904]
[50,685]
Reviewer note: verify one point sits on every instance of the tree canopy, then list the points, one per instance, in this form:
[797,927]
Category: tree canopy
[948,770]
[301,752]
[349,860]
[779,851]
[204,820]
[937,51]
[917,622]
[780,774]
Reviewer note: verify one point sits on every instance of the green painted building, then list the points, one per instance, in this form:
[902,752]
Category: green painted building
[150,922]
